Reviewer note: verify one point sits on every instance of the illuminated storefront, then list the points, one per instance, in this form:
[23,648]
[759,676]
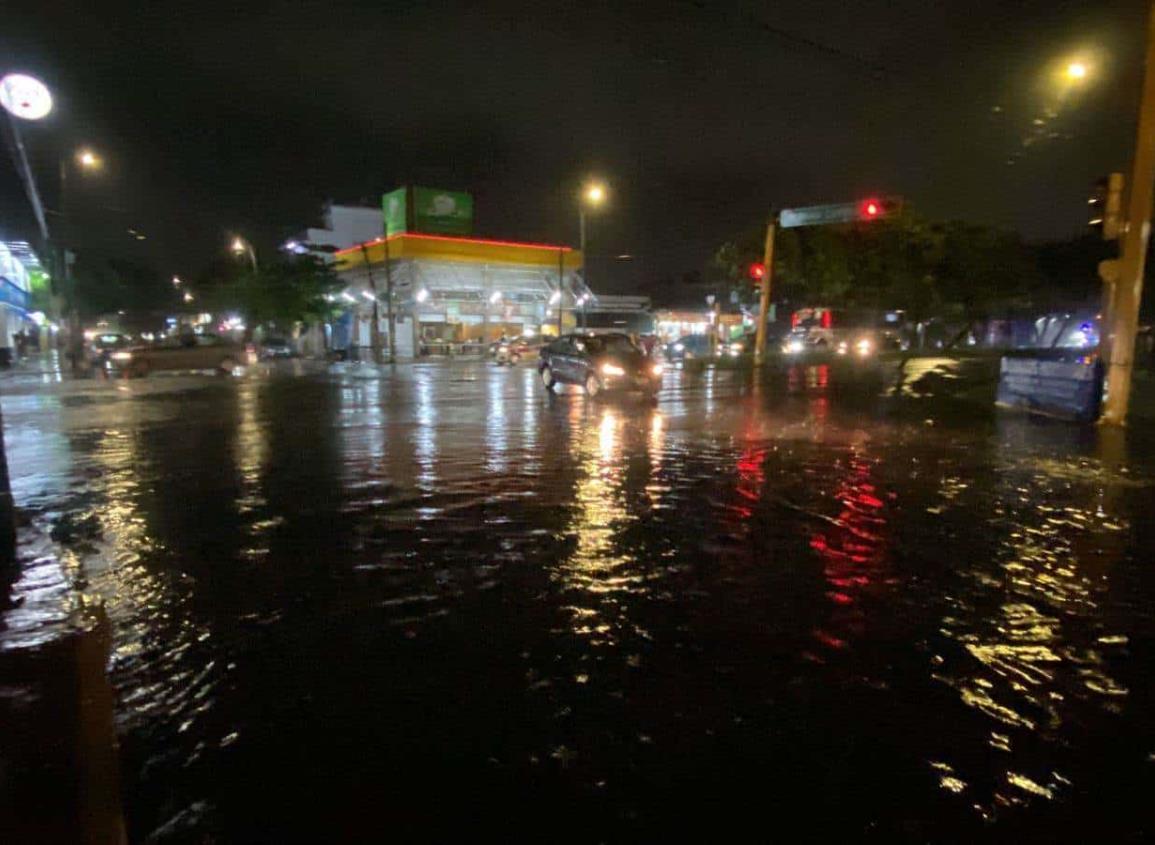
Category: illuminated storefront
[453,293]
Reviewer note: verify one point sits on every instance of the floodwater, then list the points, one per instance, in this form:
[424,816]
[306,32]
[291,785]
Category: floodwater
[435,602]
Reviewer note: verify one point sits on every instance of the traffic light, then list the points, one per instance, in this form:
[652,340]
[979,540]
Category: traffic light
[757,271]
[1105,206]
[873,208]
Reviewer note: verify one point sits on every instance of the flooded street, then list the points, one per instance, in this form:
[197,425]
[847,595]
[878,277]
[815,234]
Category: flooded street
[364,604]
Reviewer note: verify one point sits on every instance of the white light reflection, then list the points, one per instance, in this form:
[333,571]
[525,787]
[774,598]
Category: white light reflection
[496,447]
[595,574]
[425,432]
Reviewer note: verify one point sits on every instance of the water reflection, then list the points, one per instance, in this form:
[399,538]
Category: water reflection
[1038,650]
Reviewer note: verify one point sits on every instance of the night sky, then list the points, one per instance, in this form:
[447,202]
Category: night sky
[701,116]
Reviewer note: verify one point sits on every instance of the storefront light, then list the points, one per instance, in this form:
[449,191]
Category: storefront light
[421,295]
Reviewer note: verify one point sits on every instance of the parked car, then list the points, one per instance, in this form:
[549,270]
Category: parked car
[275,347]
[599,363]
[186,352]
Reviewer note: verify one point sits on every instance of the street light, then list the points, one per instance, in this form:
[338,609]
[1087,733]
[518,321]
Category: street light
[593,196]
[1076,71]
[241,246]
[25,97]
[88,160]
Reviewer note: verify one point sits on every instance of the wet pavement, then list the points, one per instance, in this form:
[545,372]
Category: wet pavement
[356,603]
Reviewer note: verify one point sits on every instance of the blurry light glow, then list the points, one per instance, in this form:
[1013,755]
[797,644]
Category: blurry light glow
[188,297]
[555,297]
[25,96]
[495,297]
[368,295]
[595,193]
[612,370]
[1076,70]
[88,159]
[421,295]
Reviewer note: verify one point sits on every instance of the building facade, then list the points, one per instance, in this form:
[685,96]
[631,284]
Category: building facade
[345,226]
[15,286]
[453,294]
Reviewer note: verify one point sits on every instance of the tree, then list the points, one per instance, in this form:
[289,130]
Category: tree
[956,270]
[280,293]
[102,285]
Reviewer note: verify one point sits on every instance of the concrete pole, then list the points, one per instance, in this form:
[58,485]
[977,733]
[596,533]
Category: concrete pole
[375,326]
[1124,314]
[764,291]
[585,262]
[389,321]
[560,288]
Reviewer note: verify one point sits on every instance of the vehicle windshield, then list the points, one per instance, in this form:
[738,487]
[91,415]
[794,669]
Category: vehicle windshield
[613,344]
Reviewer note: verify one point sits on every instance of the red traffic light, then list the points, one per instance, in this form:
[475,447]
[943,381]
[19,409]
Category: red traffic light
[871,208]
[757,271]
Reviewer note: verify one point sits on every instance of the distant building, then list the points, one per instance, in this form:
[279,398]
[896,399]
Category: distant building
[15,288]
[344,226]
[454,293]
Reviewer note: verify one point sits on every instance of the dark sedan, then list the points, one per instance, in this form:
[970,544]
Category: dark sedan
[597,363]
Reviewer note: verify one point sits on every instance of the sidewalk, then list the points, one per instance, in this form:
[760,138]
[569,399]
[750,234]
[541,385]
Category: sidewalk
[59,767]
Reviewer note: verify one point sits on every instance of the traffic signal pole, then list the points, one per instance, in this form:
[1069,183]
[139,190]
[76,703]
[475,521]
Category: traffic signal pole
[764,291]
[1124,314]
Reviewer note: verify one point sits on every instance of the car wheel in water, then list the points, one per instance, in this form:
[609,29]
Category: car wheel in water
[593,385]
[547,378]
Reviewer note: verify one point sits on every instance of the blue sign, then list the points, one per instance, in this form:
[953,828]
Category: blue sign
[13,296]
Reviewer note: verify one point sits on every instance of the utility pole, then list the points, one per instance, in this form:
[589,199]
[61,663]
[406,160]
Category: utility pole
[560,288]
[1124,314]
[389,305]
[764,290]
[375,328]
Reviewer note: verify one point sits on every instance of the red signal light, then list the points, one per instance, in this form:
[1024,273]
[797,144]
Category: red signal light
[757,271]
[871,208]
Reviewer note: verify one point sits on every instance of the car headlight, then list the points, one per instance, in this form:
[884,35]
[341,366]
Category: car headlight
[121,356]
[657,369]
[794,346]
[612,370]
[864,346]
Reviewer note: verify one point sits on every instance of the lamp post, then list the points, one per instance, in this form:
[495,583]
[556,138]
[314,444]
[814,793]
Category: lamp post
[27,98]
[593,196]
[241,246]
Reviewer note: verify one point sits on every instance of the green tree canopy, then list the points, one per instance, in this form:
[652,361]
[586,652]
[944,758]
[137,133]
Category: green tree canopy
[281,293]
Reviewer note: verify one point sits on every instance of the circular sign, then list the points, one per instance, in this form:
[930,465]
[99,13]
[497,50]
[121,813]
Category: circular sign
[25,96]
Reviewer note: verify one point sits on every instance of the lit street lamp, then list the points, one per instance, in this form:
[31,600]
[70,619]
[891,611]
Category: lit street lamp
[1076,71]
[27,98]
[89,160]
[593,196]
[241,246]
